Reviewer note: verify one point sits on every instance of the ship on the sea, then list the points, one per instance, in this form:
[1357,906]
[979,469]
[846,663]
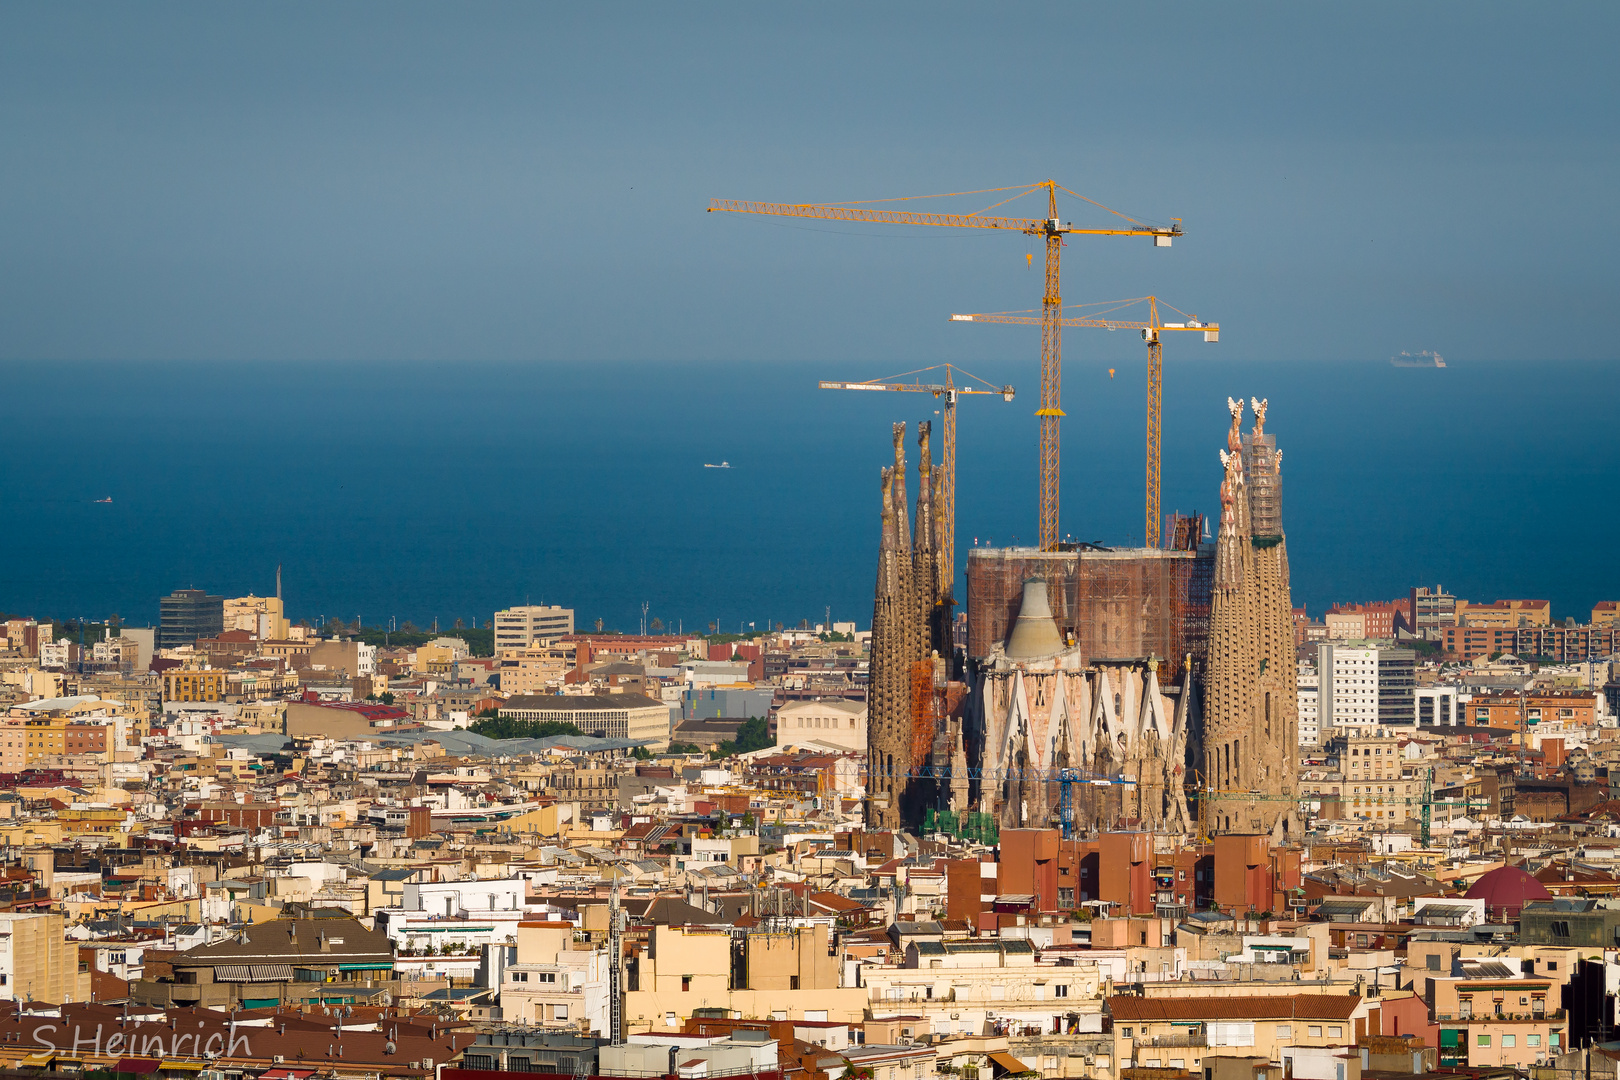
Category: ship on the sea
[1422,359]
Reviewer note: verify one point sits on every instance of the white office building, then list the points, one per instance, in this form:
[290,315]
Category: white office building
[1310,696]
[1361,685]
[526,627]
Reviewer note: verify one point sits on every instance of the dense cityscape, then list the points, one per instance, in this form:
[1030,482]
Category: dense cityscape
[1144,758]
[1123,813]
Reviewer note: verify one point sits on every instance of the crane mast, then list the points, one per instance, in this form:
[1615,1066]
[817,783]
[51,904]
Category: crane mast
[1151,329]
[947,392]
[1052,230]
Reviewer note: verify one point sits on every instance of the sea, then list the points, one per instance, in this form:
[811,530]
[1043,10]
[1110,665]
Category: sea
[431,492]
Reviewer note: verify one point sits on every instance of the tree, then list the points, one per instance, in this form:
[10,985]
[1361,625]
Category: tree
[657,626]
[386,697]
[684,748]
[501,727]
[598,626]
[754,734]
[408,627]
[461,624]
[641,753]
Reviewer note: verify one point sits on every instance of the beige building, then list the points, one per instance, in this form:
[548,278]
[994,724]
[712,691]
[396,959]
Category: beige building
[831,722]
[534,671]
[609,716]
[1505,613]
[261,616]
[964,987]
[1184,1033]
[37,963]
[786,975]
[553,984]
[526,627]
[194,684]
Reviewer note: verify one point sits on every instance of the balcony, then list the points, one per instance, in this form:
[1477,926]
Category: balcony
[1199,1039]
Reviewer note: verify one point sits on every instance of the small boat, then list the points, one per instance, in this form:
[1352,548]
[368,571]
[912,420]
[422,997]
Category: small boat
[1423,359]
[722,465]
[108,499]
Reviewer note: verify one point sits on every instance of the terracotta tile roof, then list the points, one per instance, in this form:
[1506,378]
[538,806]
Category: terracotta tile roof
[1281,1007]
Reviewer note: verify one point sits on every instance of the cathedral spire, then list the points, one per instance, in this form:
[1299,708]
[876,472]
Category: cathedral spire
[1250,752]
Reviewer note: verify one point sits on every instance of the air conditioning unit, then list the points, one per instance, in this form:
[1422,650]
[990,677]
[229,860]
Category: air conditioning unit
[278,1060]
[427,1063]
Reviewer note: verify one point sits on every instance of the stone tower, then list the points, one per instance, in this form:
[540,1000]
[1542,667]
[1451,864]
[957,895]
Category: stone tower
[1250,736]
[897,639]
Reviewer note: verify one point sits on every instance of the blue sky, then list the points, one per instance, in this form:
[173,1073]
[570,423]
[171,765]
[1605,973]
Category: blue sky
[527,182]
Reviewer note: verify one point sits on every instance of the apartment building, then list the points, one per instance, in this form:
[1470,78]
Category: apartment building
[1374,787]
[191,684]
[261,616]
[1309,686]
[1436,706]
[1360,622]
[1506,613]
[528,626]
[537,670]
[37,963]
[1361,684]
[1432,610]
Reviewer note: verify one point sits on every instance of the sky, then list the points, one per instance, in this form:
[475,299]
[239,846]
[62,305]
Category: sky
[528,182]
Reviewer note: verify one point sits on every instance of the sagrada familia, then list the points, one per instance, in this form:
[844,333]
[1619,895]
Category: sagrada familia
[1060,721]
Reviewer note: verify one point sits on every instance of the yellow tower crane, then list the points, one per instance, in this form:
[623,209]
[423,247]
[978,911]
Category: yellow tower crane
[948,391]
[1052,229]
[1098,316]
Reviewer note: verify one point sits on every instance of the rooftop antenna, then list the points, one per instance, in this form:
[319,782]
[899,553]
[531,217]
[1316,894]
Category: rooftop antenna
[278,581]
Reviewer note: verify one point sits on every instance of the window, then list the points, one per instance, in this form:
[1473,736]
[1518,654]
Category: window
[1532,1040]
[520,976]
[1285,1031]
[1124,1033]
[562,1012]
[1433,961]
[547,977]
[1552,965]
[1060,991]
[1509,1041]
[686,983]
[1335,1032]
[1484,1040]
[1314,1031]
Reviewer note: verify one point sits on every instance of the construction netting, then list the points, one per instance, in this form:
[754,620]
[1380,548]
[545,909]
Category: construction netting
[1115,605]
[1264,482]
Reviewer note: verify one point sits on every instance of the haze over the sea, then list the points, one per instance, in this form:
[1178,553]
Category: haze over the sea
[432,490]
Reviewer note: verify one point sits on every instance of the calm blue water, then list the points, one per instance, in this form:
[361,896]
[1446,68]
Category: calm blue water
[448,490]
